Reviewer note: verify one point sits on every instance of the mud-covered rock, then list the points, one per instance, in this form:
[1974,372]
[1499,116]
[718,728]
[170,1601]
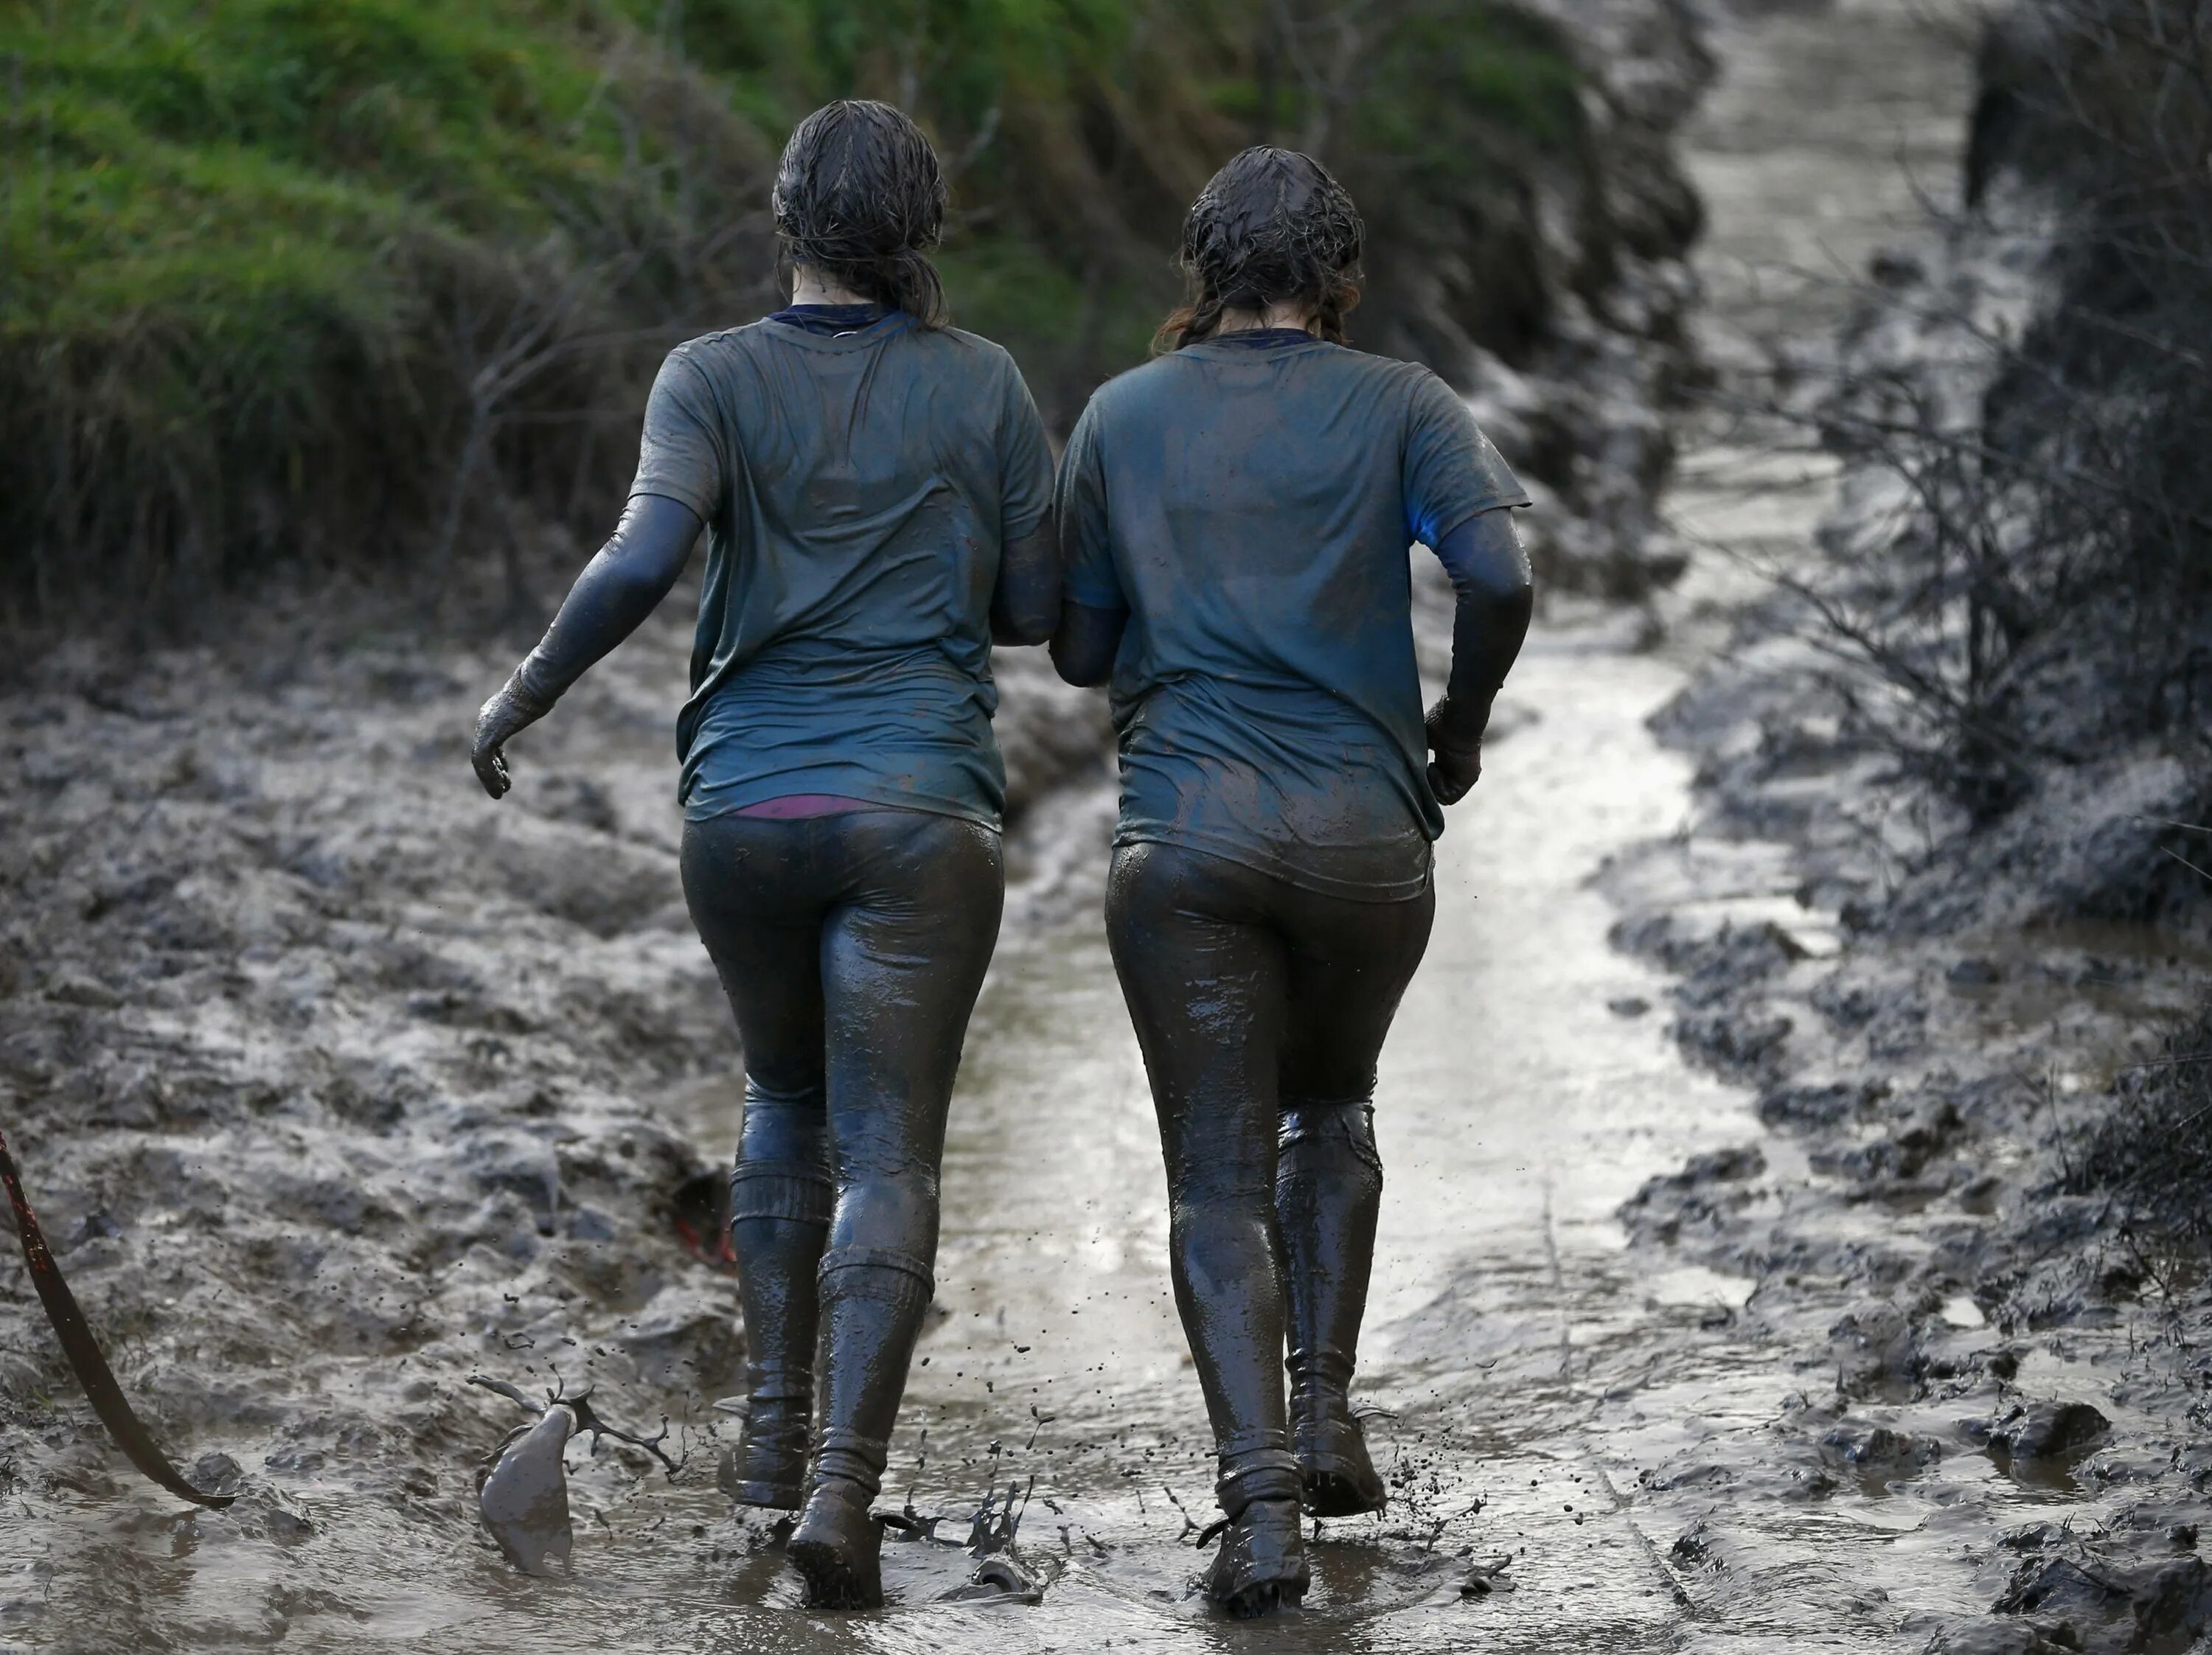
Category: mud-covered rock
[1735,956]
[2097,1596]
[1875,1352]
[2077,1602]
[2172,1601]
[2043,1430]
[1700,1197]
[1897,1156]
[1877,1450]
[1737,1043]
[1818,1107]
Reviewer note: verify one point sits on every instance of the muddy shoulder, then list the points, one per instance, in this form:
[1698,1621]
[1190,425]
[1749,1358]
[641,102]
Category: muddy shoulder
[1946,1245]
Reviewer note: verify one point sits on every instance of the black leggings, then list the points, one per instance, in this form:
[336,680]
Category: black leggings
[852,947]
[1261,1008]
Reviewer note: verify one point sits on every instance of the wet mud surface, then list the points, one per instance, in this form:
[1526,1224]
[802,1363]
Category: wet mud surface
[1979,1424]
[1698,1320]
[338,1086]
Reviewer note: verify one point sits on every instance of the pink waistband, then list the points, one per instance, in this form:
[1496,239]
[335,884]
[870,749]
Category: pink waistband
[793,807]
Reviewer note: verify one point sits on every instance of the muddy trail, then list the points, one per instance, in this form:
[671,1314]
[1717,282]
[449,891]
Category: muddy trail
[337,1086]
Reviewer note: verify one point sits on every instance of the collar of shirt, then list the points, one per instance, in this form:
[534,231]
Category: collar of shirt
[1262,338]
[830,319]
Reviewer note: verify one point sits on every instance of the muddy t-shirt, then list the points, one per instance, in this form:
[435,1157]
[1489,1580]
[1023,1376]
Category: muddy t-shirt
[857,489]
[1250,508]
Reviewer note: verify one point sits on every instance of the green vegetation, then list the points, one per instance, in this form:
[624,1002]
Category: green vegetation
[278,278]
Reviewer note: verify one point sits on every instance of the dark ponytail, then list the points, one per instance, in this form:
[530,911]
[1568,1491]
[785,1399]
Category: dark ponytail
[1271,226]
[860,197]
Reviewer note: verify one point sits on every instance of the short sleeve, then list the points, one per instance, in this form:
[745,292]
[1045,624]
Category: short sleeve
[1451,472]
[1086,550]
[680,454]
[1025,461]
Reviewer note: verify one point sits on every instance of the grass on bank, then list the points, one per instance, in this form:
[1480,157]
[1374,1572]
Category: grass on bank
[310,282]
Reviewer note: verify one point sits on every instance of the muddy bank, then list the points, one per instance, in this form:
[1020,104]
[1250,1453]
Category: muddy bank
[1993,1372]
[1581,396]
[1982,1426]
[335,1084]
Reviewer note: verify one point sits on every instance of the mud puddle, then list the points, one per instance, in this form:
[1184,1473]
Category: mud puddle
[315,1354]
[1516,1112]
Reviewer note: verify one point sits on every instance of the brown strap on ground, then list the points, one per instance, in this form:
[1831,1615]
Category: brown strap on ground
[83,1350]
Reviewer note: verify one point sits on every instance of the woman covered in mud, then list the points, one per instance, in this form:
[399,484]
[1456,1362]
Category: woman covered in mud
[1234,519]
[875,486]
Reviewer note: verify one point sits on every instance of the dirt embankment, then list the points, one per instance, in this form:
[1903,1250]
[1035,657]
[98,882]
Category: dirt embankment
[1578,392]
[429,285]
[1971,1020]
[334,1082]
[1980,1342]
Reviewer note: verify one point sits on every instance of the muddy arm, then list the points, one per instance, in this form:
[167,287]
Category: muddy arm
[1494,598]
[1086,642]
[1026,601]
[618,588]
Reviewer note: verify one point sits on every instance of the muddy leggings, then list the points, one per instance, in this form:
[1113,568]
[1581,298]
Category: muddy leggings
[852,947]
[1261,1008]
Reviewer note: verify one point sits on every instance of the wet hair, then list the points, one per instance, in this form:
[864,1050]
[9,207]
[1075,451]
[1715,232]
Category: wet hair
[1271,226]
[860,197]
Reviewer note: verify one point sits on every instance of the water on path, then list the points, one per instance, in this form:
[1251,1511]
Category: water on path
[1517,1110]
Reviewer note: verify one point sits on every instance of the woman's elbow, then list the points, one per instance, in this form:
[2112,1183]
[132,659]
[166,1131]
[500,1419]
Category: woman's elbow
[1087,642]
[1485,559]
[1510,589]
[1077,665]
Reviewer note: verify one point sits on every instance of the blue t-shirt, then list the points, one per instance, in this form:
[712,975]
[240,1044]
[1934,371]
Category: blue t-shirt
[1250,507]
[857,488]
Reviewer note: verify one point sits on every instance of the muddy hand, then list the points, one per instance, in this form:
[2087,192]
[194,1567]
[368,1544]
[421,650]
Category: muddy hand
[1457,764]
[1454,771]
[513,710]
